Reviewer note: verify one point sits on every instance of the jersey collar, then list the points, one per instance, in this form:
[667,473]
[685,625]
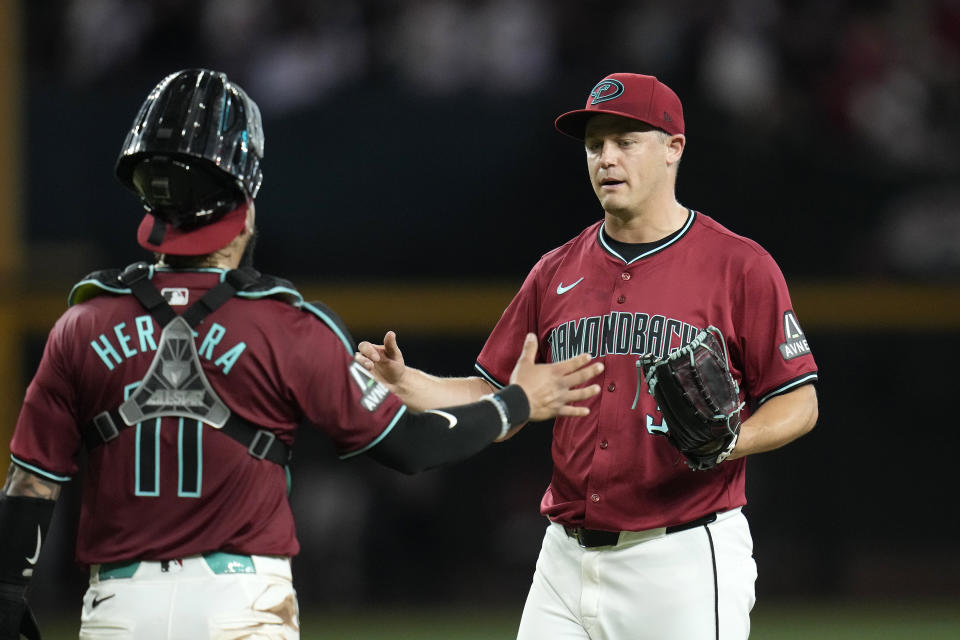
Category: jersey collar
[656,249]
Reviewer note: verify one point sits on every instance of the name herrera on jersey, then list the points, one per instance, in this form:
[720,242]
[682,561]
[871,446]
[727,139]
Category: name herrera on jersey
[620,333]
[124,343]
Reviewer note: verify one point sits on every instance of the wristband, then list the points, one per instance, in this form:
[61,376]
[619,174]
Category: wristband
[512,405]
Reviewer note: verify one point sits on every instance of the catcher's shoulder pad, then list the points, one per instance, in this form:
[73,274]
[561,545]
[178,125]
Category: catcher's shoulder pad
[97,283]
[262,285]
[252,285]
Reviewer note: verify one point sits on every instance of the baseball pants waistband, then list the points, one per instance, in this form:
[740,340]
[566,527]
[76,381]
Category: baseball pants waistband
[214,563]
[592,538]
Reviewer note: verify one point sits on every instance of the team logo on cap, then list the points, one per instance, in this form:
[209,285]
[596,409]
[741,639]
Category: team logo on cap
[606,90]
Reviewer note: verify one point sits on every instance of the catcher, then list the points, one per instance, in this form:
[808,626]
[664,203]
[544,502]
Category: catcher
[185,380]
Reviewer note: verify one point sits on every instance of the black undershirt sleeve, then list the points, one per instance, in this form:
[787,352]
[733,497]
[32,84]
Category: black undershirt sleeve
[23,527]
[421,441]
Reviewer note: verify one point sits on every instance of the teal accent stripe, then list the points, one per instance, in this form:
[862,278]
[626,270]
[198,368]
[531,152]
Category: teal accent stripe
[383,435]
[39,471]
[683,232]
[330,323]
[272,292]
[117,570]
[222,563]
[811,377]
[486,376]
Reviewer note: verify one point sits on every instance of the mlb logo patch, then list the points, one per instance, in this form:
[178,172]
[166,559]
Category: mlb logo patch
[176,297]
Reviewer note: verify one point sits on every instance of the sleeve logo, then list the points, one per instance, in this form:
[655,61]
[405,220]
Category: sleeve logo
[796,343]
[373,393]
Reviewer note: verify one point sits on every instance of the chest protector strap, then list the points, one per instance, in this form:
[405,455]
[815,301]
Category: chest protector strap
[175,384]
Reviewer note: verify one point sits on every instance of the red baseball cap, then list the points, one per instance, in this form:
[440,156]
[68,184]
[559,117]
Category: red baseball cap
[630,95]
[156,235]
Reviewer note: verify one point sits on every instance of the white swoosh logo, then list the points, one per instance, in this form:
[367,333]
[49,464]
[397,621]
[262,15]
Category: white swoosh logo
[36,554]
[563,289]
[452,419]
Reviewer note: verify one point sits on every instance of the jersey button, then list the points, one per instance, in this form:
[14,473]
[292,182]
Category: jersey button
[603,444]
[612,386]
[595,497]
[625,275]
[622,299]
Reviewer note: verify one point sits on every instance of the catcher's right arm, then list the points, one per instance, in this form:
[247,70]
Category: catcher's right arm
[698,397]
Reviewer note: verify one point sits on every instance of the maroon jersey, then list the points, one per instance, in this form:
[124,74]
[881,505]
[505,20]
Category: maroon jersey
[612,470]
[173,487]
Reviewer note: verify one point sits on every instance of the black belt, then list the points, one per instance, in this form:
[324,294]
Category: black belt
[589,538]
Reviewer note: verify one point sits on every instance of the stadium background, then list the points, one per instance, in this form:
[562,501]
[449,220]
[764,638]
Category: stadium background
[412,177]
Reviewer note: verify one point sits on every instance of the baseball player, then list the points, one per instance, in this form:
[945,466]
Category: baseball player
[639,545]
[184,380]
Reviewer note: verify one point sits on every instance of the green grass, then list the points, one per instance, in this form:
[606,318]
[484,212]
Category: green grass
[857,621]
[841,621]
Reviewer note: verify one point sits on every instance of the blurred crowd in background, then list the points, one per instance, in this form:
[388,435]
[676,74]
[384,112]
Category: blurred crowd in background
[882,73]
[873,82]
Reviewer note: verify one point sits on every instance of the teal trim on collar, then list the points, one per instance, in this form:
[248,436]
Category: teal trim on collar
[39,471]
[612,251]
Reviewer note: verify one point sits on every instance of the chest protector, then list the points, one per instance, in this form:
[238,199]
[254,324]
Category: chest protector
[175,384]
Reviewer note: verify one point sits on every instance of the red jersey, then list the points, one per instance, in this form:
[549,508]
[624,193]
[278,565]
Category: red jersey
[172,487]
[612,470]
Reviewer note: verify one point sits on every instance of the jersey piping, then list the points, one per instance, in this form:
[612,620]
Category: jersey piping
[486,376]
[789,386]
[683,231]
[327,320]
[384,434]
[39,471]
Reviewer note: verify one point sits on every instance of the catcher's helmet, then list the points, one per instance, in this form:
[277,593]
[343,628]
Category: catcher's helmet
[193,153]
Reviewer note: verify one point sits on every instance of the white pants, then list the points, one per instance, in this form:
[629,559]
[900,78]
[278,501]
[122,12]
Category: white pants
[187,600]
[696,584]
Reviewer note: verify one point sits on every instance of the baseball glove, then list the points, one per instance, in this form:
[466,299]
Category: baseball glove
[698,397]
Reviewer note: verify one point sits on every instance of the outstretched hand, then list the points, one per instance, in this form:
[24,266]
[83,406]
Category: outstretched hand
[551,388]
[384,361]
